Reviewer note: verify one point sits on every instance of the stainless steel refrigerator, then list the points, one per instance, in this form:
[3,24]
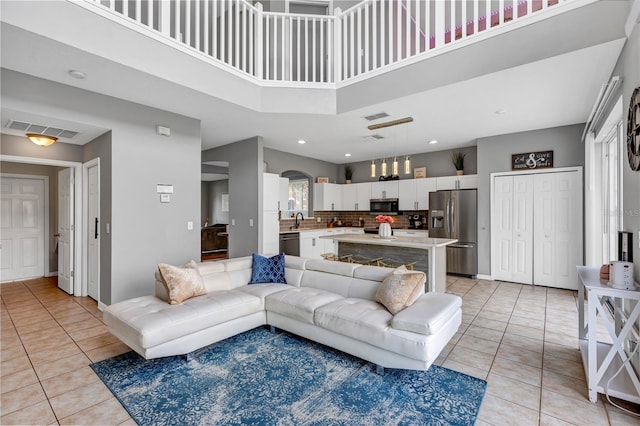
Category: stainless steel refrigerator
[453,214]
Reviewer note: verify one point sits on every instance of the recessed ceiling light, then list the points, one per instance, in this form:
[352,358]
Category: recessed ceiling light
[77,74]
[432,142]
[302,141]
[501,111]
[347,155]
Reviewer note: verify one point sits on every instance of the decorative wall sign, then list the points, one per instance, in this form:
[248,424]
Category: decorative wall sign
[532,160]
[419,172]
[633,131]
[322,179]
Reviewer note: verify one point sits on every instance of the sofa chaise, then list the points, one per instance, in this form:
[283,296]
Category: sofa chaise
[332,303]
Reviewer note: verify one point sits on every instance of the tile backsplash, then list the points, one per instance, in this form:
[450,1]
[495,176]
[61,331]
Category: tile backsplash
[348,218]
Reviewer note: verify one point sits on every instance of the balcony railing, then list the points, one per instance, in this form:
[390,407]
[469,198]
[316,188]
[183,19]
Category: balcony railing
[372,36]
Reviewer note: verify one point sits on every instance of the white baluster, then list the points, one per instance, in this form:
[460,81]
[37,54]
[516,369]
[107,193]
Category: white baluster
[501,12]
[487,14]
[313,56]
[267,48]
[223,30]
[229,30]
[164,18]
[352,40]
[236,15]
[299,43]
[463,20]
[391,33]
[336,45]
[197,29]
[206,27]
[138,11]
[383,38]
[407,20]
[187,23]
[452,28]
[214,29]
[417,25]
[259,18]
[358,54]
[367,66]
[178,23]
[427,25]
[306,49]
[252,41]
[374,47]
[475,16]
[283,42]
[439,17]
[322,60]
[245,39]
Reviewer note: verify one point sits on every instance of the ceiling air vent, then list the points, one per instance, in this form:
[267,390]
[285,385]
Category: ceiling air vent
[373,138]
[376,116]
[43,130]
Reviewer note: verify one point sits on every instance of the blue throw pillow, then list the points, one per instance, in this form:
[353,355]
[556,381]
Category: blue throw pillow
[268,269]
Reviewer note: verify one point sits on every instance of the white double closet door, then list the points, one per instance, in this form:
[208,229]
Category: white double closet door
[537,228]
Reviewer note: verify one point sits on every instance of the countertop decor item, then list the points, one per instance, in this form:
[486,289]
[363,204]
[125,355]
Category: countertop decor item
[457,158]
[384,231]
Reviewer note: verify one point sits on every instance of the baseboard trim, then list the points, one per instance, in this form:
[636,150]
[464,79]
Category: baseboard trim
[101,306]
[51,274]
[484,277]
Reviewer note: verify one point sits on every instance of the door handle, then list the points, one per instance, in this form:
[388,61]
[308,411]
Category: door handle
[95,234]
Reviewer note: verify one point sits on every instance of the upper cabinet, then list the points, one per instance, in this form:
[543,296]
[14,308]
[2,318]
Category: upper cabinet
[270,191]
[327,196]
[414,193]
[457,182]
[356,196]
[385,189]
[283,194]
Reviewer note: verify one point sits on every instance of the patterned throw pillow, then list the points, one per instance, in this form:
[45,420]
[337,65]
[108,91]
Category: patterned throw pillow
[268,269]
[181,282]
[400,289]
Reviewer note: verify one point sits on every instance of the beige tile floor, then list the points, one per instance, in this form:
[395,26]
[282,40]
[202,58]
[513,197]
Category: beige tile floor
[521,339]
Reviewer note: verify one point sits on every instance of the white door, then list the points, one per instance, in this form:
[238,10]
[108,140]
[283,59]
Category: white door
[65,230]
[93,232]
[22,224]
[502,227]
[513,228]
[522,254]
[558,224]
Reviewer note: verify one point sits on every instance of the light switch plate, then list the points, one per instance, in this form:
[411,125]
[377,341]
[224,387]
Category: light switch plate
[190,226]
[250,222]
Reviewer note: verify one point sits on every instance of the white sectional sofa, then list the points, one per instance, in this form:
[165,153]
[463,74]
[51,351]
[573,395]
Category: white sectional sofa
[332,303]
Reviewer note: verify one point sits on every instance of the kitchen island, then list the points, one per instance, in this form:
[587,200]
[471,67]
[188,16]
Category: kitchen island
[427,254]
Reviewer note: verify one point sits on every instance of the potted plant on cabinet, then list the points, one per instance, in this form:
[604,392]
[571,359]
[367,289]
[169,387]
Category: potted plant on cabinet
[348,173]
[457,158]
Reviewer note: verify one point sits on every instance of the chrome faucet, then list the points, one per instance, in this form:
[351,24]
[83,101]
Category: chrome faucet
[301,217]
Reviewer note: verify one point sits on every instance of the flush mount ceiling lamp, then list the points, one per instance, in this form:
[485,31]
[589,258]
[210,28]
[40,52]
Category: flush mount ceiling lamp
[41,140]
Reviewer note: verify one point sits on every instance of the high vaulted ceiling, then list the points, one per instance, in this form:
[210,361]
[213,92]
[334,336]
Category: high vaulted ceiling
[542,75]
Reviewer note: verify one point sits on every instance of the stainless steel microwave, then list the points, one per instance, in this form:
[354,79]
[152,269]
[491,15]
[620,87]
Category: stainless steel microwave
[386,206]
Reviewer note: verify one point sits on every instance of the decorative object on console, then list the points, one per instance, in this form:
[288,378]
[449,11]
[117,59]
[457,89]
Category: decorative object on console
[457,158]
[181,282]
[268,269]
[322,179]
[633,131]
[621,275]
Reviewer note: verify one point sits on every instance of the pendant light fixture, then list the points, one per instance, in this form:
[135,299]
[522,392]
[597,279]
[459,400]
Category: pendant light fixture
[407,160]
[42,140]
[394,166]
[407,165]
[383,167]
[373,168]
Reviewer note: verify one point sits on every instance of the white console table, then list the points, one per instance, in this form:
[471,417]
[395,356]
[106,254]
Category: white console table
[602,360]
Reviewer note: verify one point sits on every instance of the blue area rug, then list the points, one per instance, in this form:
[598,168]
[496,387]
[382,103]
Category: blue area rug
[263,378]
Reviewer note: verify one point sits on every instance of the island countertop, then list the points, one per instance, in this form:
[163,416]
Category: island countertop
[411,242]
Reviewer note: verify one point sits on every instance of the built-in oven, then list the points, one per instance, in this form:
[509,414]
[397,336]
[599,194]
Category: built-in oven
[385,206]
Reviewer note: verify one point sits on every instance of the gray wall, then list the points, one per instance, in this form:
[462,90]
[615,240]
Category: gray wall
[100,147]
[204,201]
[52,173]
[143,231]
[437,163]
[245,192]
[494,155]
[21,147]
[280,161]
[628,67]
[216,189]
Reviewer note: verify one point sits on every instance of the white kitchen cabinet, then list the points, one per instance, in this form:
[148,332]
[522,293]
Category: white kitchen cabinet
[356,196]
[384,189]
[283,196]
[413,194]
[268,224]
[457,182]
[327,196]
[536,229]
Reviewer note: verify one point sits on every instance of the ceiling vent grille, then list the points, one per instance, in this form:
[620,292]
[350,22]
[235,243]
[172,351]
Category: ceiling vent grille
[376,116]
[373,138]
[40,129]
